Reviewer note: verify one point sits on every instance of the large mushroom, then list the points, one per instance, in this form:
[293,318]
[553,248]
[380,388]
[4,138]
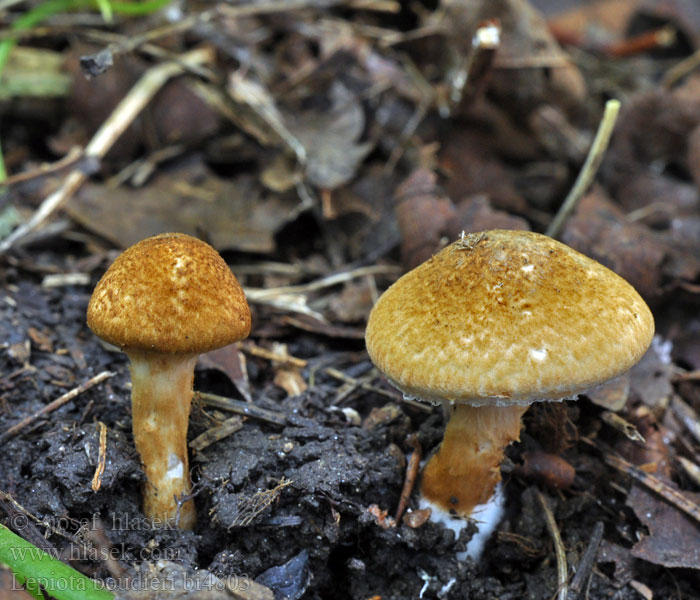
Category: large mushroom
[495,321]
[164,301]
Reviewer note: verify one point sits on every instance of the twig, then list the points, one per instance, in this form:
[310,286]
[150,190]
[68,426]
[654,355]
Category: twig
[558,548]
[75,155]
[663,489]
[617,422]
[22,524]
[688,376]
[365,385]
[427,98]
[687,415]
[285,359]
[57,403]
[241,408]
[590,167]
[275,6]
[105,137]
[649,40]
[216,434]
[476,67]
[102,458]
[585,565]
[411,476]
[258,294]
[691,469]
[681,69]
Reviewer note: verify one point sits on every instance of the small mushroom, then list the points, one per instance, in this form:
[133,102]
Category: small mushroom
[163,301]
[495,321]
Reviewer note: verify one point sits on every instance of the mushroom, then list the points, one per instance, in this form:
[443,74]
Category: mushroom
[495,321]
[163,301]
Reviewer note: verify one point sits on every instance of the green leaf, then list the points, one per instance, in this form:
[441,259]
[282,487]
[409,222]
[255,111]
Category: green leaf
[38,570]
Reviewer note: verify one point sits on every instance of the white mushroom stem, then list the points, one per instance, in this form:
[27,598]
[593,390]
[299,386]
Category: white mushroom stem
[463,473]
[160,402]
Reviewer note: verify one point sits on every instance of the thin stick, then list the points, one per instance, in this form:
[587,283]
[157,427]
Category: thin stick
[57,403]
[285,359]
[110,131]
[242,408]
[680,70]
[216,434]
[664,490]
[365,385]
[102,459]
[259,294]
[590,167]
[558,548]
[688,376]
[585,565]
[687,415]
[411,476]
[75,155]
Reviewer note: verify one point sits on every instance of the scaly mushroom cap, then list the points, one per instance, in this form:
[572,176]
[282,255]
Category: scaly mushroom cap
[170,293]
[505,317]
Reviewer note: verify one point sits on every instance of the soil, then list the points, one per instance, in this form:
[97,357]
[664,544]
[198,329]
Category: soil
[268,494]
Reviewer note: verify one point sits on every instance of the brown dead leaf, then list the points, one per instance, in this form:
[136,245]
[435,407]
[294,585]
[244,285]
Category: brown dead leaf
[525,35]
[41,339]
[657,199]
[423,212]
[353,303]
[650,378]
[602,17]
[232,363]
[653,128]
[526,44]
[331,139]
[93,100]
[674,538]
[230,211]
[600,230]
[474,166]
[621,559]
[611,395]
[654,456]
[477,214]
[181,116]
[290,380]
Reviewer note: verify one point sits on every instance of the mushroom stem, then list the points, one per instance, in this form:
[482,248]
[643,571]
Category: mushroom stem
[161,394]
[463,473]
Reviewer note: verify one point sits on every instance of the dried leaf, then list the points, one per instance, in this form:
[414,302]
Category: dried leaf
[230,211]
[423,212]
[674,538]
[290,380]
[476,214]
[611,395]
[331,139]
[650,378]
[232,363]
[600,230]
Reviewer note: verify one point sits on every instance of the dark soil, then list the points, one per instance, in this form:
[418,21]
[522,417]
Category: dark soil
[268,494]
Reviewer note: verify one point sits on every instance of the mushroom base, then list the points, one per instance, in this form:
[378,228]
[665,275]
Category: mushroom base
[465,470]
[160,402]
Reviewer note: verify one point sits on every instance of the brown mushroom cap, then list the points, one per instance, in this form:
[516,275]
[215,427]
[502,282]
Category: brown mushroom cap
[505,317]
[170,293]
